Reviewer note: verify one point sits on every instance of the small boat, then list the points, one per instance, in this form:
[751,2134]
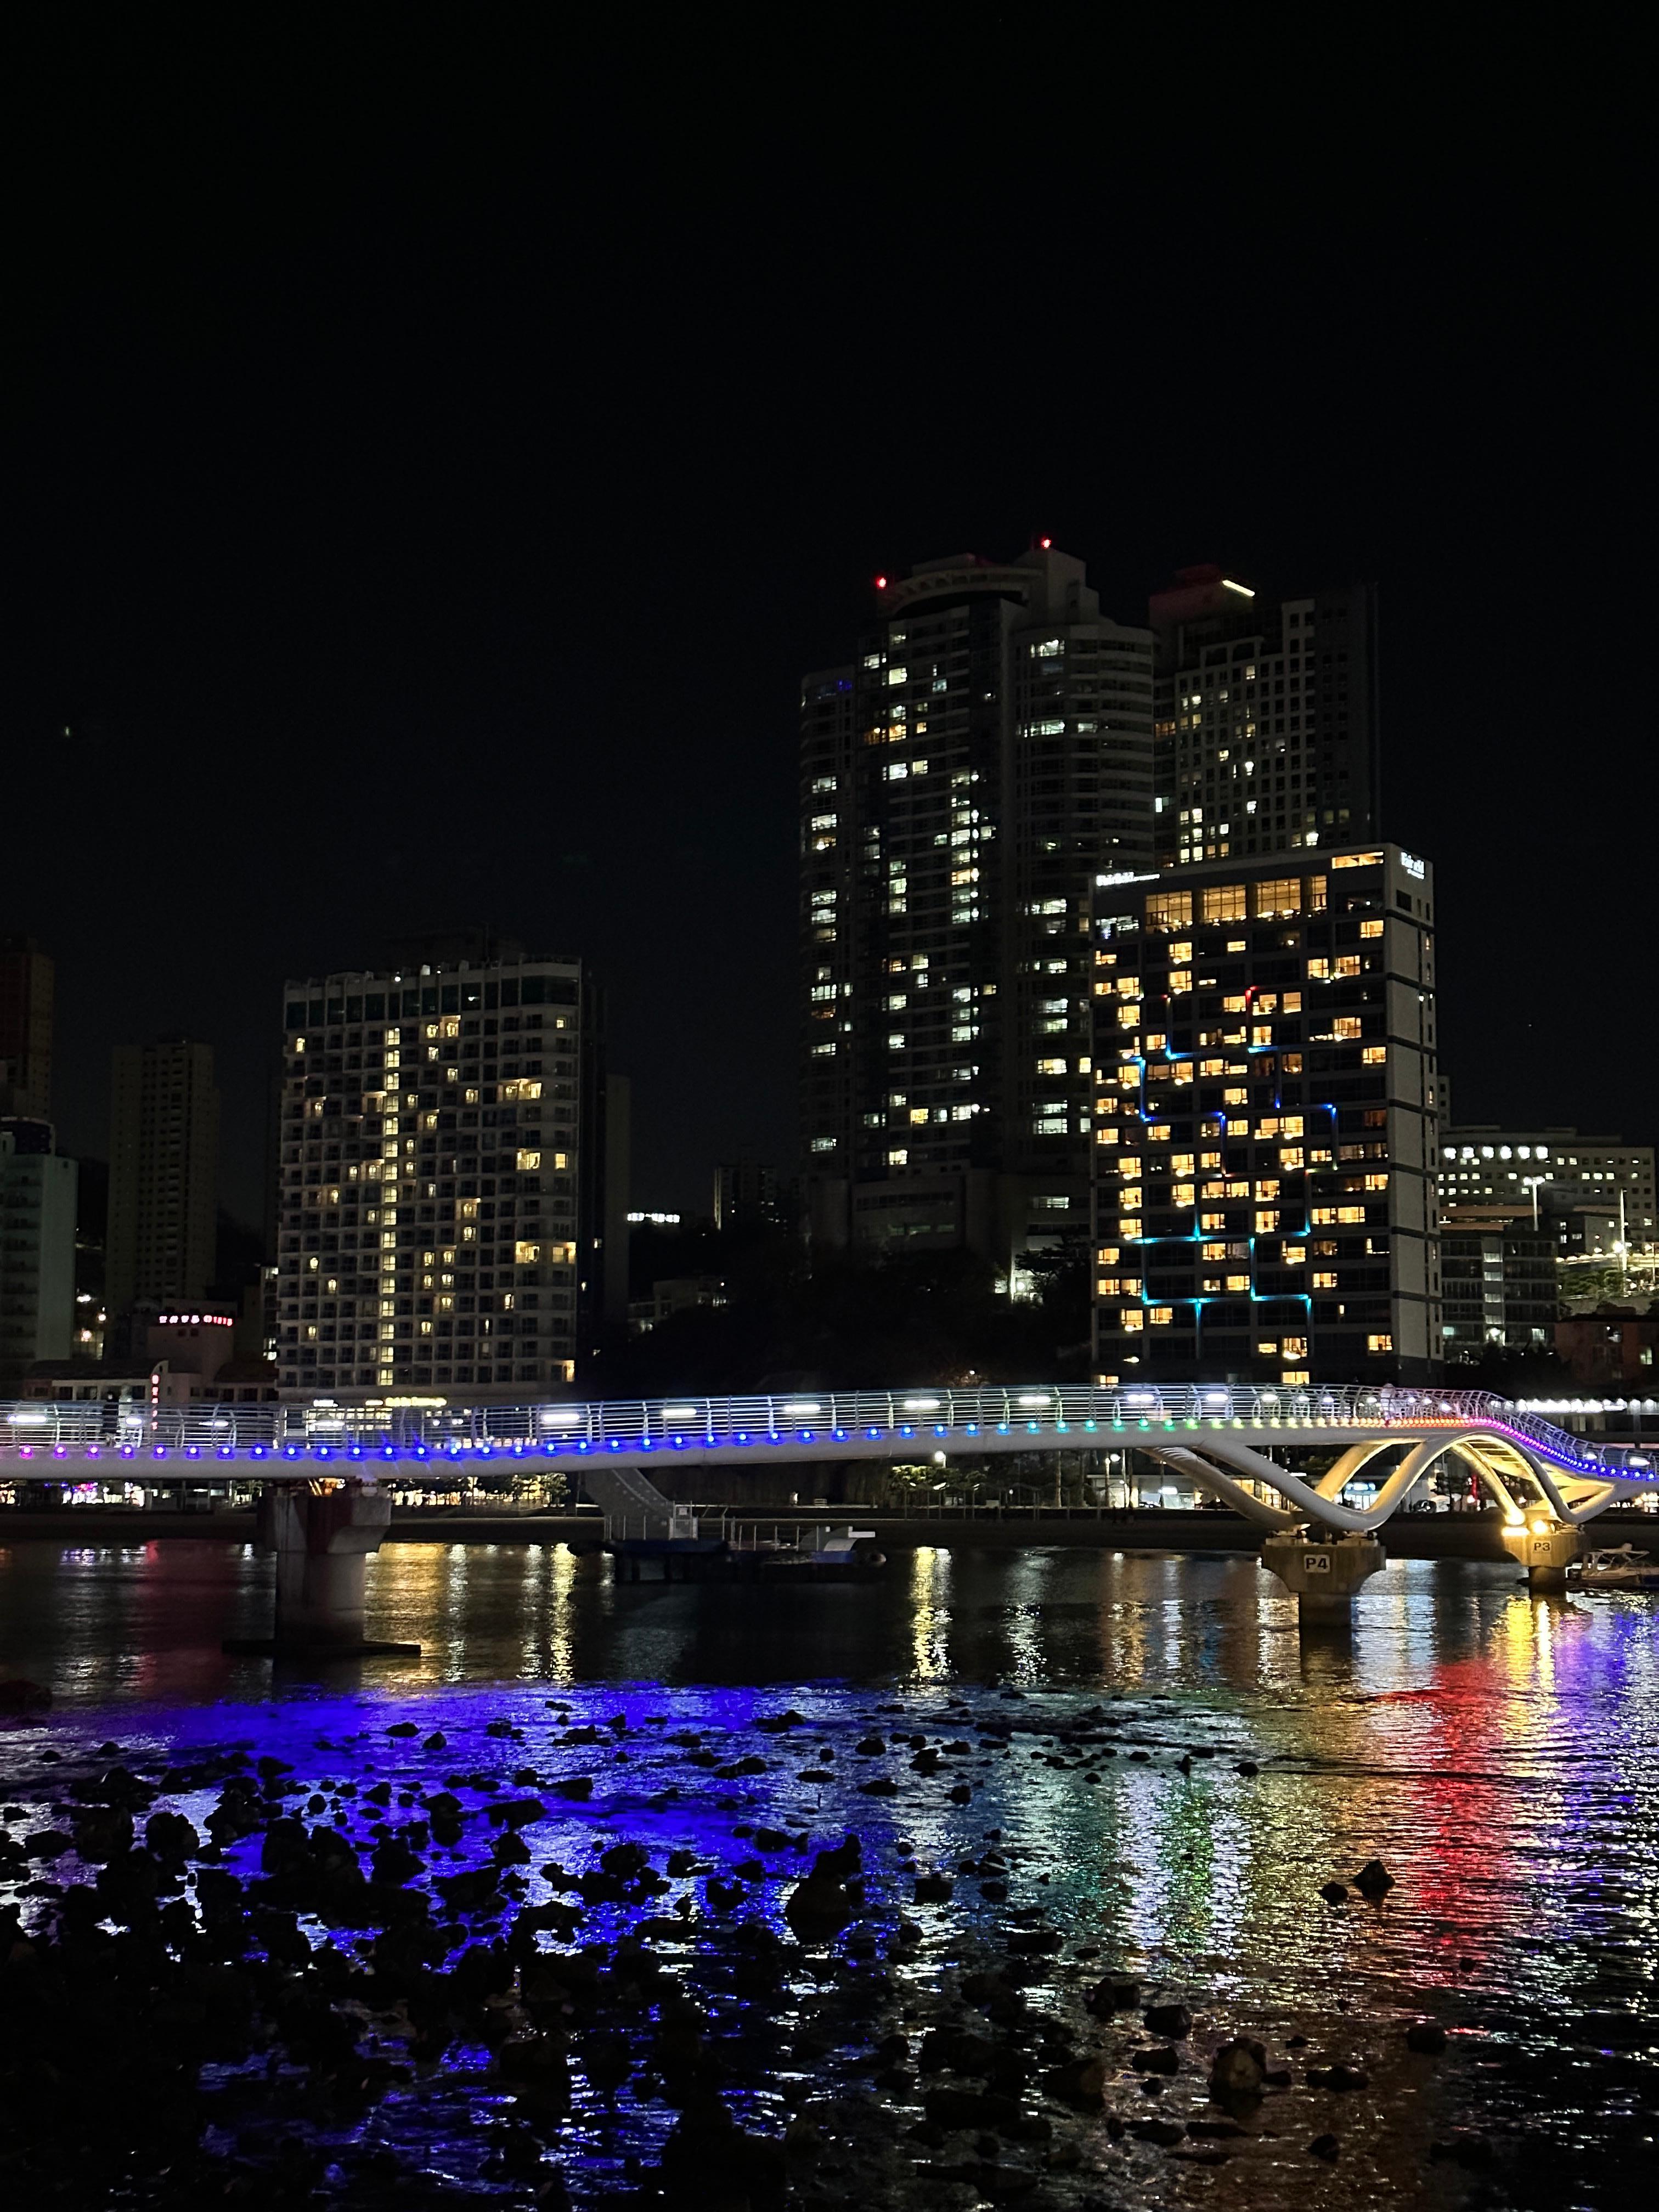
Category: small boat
[1620,1567]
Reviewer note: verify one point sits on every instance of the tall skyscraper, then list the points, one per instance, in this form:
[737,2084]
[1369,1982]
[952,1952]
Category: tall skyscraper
[1266,718]
[963,779]
[444,1172]
[1265,1122]
[26,1026]
[37,1248]
[163,1176]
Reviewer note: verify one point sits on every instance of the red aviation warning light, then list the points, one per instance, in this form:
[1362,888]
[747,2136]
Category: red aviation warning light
[881,583]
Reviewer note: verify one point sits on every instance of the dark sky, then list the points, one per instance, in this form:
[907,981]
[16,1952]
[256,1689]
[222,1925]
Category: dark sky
[429,466]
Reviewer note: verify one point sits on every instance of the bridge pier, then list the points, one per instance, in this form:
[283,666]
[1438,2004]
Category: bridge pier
[1545,1549]
[322,1534]
[1323,1574]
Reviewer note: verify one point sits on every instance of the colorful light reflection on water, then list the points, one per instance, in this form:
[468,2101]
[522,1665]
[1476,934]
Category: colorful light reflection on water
[1497,1751]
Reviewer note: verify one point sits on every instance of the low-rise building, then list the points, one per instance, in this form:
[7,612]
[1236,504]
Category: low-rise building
[1613,1348]
[673,1294]
[1597,1193]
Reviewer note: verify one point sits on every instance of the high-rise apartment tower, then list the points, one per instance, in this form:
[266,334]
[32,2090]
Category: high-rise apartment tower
[1265,1151]
[1266,718]
[962,782]
[26,1025]
[163,1176]
[442,1206]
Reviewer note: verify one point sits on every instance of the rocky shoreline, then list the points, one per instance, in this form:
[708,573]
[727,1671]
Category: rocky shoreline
[644,1950]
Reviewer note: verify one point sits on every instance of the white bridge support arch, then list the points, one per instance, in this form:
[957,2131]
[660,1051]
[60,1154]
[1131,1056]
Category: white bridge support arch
[1544,1506]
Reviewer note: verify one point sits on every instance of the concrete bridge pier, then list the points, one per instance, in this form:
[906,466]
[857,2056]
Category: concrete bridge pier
[1545,1548]
[322,1534]
[1322,1573]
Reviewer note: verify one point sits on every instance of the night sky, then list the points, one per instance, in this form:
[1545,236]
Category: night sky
[429,469]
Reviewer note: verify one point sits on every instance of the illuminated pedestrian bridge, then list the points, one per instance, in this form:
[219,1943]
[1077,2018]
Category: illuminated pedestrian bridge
[1319,1470]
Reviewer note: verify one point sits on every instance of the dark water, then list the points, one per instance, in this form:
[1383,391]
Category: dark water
[1499,1753]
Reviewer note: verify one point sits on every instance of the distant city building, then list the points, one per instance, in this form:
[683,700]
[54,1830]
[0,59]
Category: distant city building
[445,1185]
[1264,1068]
[193,1357]
[673,1294]
[1497,1282]
[1597,1193]
[163,1176]
[1612,1349]
[747,1194]
[1266,718]
[37,1247]
[26,1029]
[963,779]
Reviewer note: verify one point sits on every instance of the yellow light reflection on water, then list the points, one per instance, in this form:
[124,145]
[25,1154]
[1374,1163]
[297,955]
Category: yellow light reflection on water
[930,1617]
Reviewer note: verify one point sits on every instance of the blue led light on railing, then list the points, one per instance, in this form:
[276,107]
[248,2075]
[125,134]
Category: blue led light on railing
[839,1435]
[804,1436]
[940,1430]
[161,1451]
[1002,1428]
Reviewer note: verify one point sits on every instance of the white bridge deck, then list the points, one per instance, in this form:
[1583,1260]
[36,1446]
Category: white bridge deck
[1239,1443]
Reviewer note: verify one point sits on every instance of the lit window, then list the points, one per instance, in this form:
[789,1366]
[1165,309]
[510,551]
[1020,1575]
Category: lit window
[1379,1344]
[527,1255]
[527,1163]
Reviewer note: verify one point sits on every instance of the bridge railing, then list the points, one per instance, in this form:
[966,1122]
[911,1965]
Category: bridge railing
[1079,1413]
